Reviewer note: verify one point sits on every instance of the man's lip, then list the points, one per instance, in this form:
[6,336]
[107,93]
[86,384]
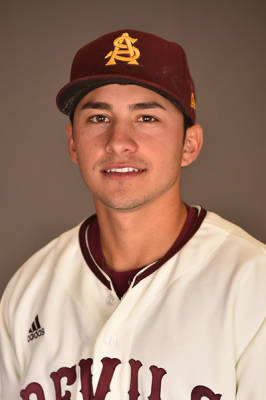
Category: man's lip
[122,170]
[122,165]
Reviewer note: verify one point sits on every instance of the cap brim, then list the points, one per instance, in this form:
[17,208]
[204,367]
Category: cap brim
[70,95]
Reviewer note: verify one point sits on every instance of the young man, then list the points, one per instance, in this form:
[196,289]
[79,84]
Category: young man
[150,298]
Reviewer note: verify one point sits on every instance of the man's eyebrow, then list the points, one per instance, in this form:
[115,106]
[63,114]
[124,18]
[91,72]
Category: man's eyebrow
[99,105]
[145,106]
[96,105]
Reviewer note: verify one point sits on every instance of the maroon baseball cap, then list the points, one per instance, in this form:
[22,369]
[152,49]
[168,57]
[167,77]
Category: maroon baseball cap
[130,57]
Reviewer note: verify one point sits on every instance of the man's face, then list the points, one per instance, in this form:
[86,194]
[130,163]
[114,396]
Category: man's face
[127,141]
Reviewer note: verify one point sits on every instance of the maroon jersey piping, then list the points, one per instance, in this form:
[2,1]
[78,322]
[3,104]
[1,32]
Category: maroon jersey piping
[83,242]
[185,235]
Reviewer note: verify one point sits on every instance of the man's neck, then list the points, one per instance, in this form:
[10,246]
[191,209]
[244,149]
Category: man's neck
[133,239]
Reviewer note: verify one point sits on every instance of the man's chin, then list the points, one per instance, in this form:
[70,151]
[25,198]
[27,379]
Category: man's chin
[121,205]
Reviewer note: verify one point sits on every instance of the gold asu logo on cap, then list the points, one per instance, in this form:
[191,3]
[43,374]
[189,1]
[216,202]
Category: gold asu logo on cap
[123,45]
[192,101]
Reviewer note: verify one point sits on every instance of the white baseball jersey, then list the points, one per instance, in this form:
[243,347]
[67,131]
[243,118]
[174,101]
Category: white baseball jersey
[192,329]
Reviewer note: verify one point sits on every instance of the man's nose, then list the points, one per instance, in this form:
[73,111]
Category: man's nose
[121,139]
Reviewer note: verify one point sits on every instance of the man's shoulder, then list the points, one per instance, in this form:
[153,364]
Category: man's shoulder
[65,242]
[42,265]
[229,234]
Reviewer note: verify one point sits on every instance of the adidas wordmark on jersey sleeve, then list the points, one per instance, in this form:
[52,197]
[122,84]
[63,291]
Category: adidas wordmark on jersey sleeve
[193,329]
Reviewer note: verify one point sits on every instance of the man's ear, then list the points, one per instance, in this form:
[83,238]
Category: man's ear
[192,145]
[71,144]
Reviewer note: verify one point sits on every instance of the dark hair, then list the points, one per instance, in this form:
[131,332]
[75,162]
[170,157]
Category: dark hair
[187,120]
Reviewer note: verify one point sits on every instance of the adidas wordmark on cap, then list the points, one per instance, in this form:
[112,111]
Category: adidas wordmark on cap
[130,56]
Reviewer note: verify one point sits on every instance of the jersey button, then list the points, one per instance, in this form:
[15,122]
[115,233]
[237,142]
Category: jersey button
[110,300]
[111,340]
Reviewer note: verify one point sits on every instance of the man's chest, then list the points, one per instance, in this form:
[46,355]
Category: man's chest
[168,346]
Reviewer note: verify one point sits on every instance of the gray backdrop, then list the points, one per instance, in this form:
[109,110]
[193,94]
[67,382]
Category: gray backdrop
[41,191]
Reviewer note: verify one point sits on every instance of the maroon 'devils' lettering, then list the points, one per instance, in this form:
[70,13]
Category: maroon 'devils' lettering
[109,366]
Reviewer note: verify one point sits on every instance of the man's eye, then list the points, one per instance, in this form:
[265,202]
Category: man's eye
[99,118]
[147,118]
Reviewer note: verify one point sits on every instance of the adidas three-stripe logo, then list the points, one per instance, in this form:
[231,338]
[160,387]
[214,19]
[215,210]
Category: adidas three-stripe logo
[36,330]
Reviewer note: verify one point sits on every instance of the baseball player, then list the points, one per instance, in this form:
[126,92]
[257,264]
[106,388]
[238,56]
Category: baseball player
[150,298]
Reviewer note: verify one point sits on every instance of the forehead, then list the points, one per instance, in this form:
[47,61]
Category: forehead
[126,94]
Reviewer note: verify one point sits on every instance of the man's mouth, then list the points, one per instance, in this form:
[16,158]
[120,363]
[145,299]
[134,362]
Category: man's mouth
[123,170]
